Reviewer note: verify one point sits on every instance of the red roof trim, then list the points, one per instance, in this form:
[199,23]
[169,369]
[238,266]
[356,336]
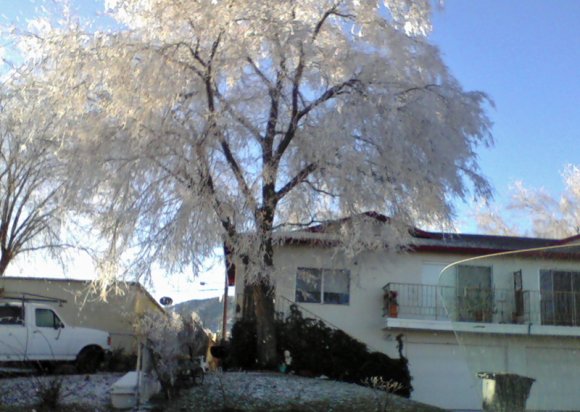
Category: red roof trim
[308,242]
[288,241]
[457,249]
[567,240]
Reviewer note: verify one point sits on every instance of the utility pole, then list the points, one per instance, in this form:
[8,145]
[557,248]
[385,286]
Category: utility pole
[225,314]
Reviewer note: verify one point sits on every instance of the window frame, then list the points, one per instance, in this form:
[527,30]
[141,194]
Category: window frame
[474,302]
[559,307]
[56,322]
[16,318]
[323,296]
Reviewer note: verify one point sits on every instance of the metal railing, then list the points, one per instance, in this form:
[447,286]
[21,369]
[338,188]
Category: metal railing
[414,301]
[434,302]
[283,307]
[552,308]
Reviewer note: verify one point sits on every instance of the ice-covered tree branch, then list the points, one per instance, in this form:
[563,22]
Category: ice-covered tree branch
[30,183]
[537,212]
[193,124]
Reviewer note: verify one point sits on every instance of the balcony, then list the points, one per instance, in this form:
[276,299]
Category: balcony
[501,310]
[552,308]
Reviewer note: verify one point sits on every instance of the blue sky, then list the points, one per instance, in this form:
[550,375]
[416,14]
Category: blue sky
[526,55]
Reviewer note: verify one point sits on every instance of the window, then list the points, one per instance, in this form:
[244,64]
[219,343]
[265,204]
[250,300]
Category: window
[11,315]
[323,286]
[474,293]
[560,297]
[46,318]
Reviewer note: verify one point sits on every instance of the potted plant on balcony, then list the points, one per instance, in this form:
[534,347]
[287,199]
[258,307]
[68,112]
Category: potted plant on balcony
[392,304]
[480,305]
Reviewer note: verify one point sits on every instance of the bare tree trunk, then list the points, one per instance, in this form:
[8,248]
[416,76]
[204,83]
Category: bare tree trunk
[263,294]
[4,261]
[258,305]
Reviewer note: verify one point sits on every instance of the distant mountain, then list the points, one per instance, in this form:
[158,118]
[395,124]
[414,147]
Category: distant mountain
[209,310]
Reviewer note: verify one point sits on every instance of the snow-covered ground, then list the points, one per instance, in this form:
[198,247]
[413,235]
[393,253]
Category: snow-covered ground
[262,390]
[266,391]
[86,389]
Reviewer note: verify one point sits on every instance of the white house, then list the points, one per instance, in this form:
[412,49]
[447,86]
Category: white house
[514,312]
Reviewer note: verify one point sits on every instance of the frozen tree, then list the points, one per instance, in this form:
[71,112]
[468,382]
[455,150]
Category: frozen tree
[191,124]
[161,332]
[174,340]
[491,221]
[548,216]
[30,183]
[193,336]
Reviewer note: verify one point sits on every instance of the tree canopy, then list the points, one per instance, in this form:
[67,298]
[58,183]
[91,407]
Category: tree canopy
[31,216]
[188,122]
[185,124]
[548,216]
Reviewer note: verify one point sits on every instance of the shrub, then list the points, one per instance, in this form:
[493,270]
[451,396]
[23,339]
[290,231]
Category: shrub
[384,401]
[242,346]
[317,349]
[377,364]
[160,332]
[49,393]
[171,340]
[193,337]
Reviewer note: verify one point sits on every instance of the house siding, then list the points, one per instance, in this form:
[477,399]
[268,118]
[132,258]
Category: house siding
[84,307]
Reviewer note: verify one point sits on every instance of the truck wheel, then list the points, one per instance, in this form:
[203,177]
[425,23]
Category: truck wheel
[89,359]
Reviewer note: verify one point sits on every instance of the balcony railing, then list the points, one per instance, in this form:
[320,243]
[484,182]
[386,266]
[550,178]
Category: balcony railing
[414,301]
[552,308]
[434,302]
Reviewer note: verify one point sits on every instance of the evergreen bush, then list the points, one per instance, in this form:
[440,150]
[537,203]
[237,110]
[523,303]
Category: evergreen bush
[241,353]
[317,350]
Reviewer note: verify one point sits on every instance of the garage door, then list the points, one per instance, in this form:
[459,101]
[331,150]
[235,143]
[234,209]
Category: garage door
[442,378]
[557,374]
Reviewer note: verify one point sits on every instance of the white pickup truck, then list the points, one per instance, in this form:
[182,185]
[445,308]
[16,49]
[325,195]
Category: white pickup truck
[34,332]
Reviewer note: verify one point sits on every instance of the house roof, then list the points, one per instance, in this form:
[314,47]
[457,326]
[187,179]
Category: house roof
[325,234]
[480,244]
[83,282]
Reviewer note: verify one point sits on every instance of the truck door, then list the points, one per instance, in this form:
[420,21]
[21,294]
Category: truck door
[47,340]
[13,332]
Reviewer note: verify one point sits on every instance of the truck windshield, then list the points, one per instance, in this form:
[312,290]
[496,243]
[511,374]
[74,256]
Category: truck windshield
[11,315]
